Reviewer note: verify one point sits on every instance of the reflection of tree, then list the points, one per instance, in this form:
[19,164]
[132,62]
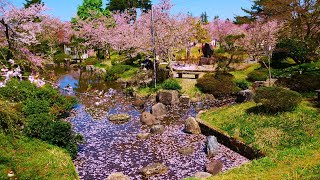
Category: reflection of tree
[92,80]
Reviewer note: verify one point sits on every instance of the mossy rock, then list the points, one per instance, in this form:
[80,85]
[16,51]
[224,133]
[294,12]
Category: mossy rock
[119,118]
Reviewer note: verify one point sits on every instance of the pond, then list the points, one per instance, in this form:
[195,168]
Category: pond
[113,147]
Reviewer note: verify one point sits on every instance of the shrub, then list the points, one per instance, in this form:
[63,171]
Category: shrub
[306,82]
[276,99]
[59,58]
[35,106]
[171,84]
[242,84]
[45,127]
[162,75]
[90,61]
[113,73]
[10,117]
[219,84]
[258,75]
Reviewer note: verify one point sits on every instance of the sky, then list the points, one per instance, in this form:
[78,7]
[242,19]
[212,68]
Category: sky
[65,9]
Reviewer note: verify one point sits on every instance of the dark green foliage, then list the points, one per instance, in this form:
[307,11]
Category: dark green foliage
[303,68]
[122,5]
[60,58]
[276,99]
[171,84]
[258,75]
[90,61]
[219,84]
[292,48]
[45,127]
[242,84]
[162,75]
[114,72]
[306,82]
[32,2]
[42,108]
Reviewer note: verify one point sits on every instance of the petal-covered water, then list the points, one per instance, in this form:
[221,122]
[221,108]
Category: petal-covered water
[112,147]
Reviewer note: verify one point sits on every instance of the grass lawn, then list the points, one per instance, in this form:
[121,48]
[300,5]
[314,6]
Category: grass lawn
[34,159]
[243,74]
[290,140]
[188,87]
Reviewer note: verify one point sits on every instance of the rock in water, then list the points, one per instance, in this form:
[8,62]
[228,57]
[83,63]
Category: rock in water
[154,169]
[159,110]
[118,176]
[143,135]
[184,100]
[212,146]
[168,97]
[192,126]
[186,150]
[119,118]
[148,119]
[157,129]
[139,103]
[214,167]
[202,175]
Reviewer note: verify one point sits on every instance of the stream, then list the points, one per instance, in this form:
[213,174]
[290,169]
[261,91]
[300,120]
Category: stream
[110,148]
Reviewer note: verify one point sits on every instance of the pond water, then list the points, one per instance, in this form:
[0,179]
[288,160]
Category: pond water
[112,147]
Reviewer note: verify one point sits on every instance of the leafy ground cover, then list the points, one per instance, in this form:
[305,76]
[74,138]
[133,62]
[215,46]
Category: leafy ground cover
[290,140]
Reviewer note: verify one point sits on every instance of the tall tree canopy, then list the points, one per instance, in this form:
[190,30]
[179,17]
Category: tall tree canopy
[32,2]
[122,5]
[301,19]
[91,7]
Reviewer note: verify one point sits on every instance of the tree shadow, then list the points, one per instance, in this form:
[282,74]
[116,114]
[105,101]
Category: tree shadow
[262,110]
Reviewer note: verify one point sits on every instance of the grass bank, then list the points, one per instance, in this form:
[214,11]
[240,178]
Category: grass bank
[290,140]
[34,159]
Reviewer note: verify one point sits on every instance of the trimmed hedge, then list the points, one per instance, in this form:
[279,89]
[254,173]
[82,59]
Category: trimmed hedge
[220,84]
[276,99]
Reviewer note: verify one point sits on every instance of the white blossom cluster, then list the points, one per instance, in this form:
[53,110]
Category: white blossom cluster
[16,72]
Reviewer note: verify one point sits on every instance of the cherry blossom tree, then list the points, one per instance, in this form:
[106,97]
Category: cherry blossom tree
[21,27]
[260,40]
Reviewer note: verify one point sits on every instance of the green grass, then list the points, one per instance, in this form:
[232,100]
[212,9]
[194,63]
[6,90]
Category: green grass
[290,140]
[131,73]
[34,159]
[243,74]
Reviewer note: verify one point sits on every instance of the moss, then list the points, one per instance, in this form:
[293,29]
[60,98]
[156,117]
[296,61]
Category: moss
[34,159]
[289,139]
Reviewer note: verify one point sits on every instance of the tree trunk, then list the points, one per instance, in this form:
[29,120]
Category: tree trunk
[9,55]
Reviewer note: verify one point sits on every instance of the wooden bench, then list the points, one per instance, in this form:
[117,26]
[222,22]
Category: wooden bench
[196,74]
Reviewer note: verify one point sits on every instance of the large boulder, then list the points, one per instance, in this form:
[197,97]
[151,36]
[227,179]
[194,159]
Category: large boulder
[214,167]
[154,169]
[244,96]
[148,119]
[157,129]
[202,175]
[212,146]
[118,176]
[119,118]
[159,110]
[184,100]
[168,97]
[192,126]
[138,103]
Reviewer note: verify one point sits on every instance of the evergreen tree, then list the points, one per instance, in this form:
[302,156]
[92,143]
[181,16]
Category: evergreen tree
[204,18]
[31,2]
[122,5]
[91,8]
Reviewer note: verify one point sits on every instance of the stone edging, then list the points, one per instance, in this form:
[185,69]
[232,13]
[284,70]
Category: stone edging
[231,142]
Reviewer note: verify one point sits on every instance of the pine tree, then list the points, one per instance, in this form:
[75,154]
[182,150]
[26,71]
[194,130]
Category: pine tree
[204,18]
[90,8]
[32,2]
